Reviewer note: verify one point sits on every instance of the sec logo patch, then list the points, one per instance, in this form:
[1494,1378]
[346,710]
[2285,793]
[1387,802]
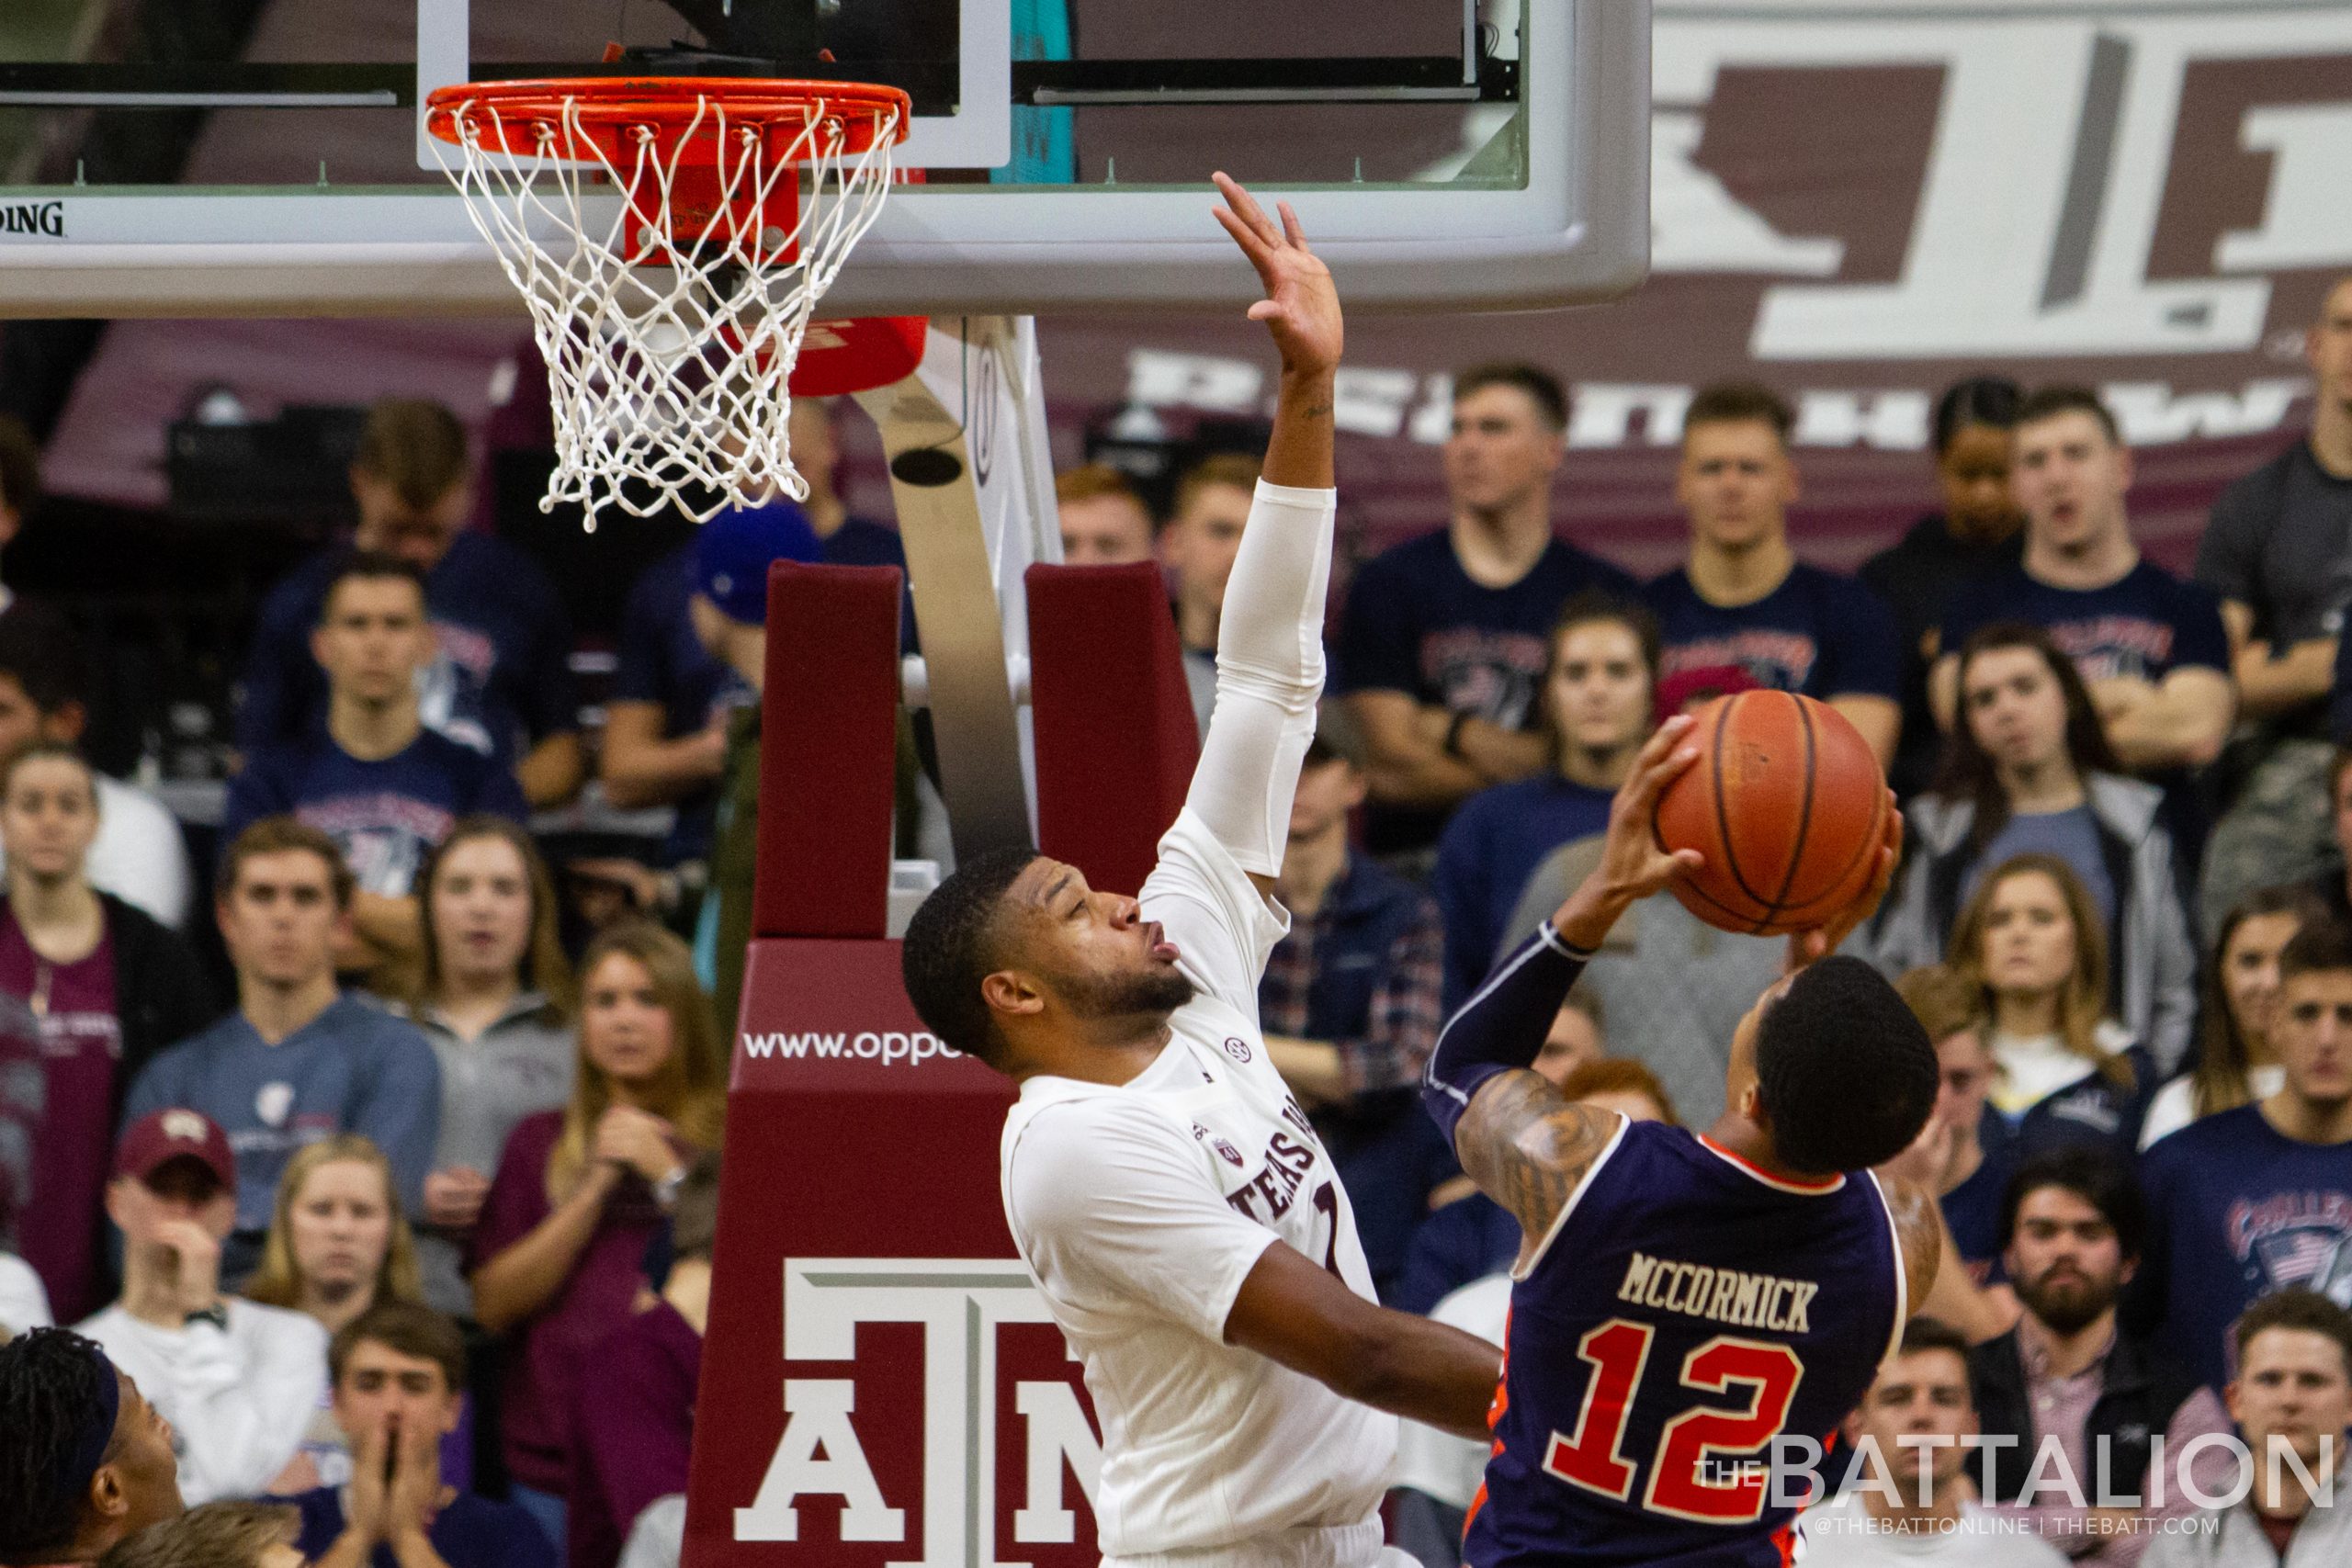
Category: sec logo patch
[1236,1049]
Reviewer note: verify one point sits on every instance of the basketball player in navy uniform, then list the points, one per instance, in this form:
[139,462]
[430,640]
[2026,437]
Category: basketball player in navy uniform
[1171,1201]
[1682,1299]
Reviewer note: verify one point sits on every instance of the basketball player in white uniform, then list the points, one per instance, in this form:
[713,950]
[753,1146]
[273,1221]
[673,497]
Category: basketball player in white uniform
[1174,1205]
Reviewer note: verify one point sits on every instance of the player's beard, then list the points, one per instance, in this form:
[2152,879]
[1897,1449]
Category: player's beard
[2068,1304]
[1159,990]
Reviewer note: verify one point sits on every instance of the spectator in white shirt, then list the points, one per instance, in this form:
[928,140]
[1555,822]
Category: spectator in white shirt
[139,854]
[23,1303]
[237,1381]
[1911,1500]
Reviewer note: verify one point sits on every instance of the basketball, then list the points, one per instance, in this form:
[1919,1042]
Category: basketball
[1788,803]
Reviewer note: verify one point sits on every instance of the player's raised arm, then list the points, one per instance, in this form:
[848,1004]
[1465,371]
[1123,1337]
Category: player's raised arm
[1525,1147]
[1269,637]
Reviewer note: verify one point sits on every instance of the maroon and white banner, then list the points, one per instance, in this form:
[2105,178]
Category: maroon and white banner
[1858,202]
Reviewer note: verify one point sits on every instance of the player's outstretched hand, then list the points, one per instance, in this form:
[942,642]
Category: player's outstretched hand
[1827,938]
[1301,307]
[1633,863]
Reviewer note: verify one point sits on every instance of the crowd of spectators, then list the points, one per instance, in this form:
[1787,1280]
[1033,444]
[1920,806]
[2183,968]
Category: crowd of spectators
[346,1210]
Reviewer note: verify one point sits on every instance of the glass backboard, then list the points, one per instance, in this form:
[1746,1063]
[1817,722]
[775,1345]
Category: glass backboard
[267,157]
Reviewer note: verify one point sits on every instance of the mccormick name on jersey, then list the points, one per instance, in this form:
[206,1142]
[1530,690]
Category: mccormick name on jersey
[1725,1295]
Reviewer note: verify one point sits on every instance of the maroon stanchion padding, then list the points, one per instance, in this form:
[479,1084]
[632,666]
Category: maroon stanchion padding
[1114,720]
[880,1382]
[828,744]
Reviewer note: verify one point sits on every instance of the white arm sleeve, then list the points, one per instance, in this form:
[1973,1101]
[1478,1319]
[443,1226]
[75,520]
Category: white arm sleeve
[1269,674]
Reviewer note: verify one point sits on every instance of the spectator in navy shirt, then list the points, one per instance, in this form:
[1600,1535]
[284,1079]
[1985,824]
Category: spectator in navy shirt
[1441,643]
[2150,646]
[1744,599]
[399,1371]
[501,682]
[385,788]
[665,725]
[1978,529]
[298,1061]
[1597,696]
[2258,1198]
[2277,548]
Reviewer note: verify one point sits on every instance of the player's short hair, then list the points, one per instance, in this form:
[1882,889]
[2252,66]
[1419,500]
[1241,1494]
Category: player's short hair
[274,835]
[1092,481]
[408,1328]
[1539,385]
[1943,1000]
[1846,1075]
[1922,1335]
[2096,1176]
[19,465]
[369,566]
[41,658]
[2048,402]
[951,946]
[2318,947]
[1741,402]
[213,1536]
[1238,470]
[1989,400]
[416,447]
[2297,1308]
[1585,999]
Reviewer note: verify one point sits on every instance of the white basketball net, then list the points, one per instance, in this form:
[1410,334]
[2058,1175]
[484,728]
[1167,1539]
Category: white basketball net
[669,383]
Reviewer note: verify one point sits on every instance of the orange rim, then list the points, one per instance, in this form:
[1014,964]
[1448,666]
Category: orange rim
[606,106]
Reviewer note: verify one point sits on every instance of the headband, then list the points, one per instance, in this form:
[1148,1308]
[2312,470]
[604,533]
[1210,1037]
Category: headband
[81,1461]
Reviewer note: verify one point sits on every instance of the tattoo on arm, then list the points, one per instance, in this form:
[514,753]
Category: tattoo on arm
[1527,1148]
[1918,1228]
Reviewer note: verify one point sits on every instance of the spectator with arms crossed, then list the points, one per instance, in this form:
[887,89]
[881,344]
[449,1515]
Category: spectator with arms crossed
[502,683]
[298,1060]
[1441,641]
[2151,647]
[381,785]
[1743,598]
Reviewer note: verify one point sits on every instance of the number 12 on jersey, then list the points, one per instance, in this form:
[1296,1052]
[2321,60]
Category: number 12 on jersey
[1593,1457]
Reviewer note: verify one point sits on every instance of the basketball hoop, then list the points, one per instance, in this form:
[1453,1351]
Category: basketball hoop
[672,321]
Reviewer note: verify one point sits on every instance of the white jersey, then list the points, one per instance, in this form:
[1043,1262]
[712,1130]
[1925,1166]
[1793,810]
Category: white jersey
[1140,1209]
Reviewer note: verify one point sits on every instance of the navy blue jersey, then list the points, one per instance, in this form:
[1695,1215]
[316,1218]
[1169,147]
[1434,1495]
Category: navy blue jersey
[1685,1311]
